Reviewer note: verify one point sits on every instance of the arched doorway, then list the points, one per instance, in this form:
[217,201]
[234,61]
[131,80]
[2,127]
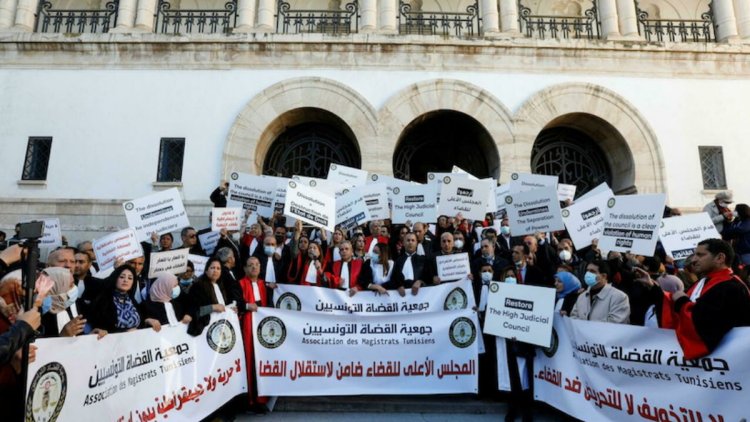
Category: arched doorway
[584,150]
[308,141]
[438,140]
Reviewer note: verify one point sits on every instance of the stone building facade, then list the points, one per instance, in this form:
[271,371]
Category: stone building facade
[648,96]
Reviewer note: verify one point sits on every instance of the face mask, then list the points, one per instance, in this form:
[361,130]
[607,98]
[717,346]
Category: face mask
[375,259]
[175,292]
[268,250]
[505,230]
[589,278]
[510,280]
[486,276]
[723,204]
[186,282]
[72,296]
[519,263]
[565,255]
[459,244]
[46,304]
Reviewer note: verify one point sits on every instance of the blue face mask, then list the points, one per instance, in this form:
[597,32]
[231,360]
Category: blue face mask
[375,259]
[589,278]
[510,280]
[187,282]
[46,304]
[176,292]
[268,250]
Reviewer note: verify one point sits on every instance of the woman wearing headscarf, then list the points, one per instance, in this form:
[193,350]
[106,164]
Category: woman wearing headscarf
[62,319]
[114,310]
[568,286]
[164,304]
[206,296]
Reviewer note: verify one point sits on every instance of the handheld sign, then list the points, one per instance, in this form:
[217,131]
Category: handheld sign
[310,205]
[324,185]
[565,192]
[199,264]
[603,187]
[465,196]
[501,192]
[390,183]
[534,211]
[122,244]
[351,210]
[631,224]
[415,203]
[453,267]
[681,235]
[585,219]
[226,218]
[376,200]
[251,192]
[209,240]
[162,212]
[521,312]
[173,262]
[347,176]
[522,182]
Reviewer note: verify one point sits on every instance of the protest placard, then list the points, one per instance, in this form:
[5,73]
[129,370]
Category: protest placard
[324,185]
[251,192]
[347,176]
[208,240]
[465,196]
[453,267]
[351,210]
[161,212]
[681,235]
[310,205]
[122,244]
[566,192]
[390,183]
[534,211]
[376,200]
[199,264]
[584,219]
[603,187]
[521,312]
[501,191]
[415,203]
[631,224]
[226,218]
[438,177]
[173,262]
[522,182]
[458,170]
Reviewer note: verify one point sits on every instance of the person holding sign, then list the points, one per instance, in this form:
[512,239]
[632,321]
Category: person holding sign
[207,295]
[164,304]
[310,271]
[714,305]
[601,302]
[254,295]
[349,274]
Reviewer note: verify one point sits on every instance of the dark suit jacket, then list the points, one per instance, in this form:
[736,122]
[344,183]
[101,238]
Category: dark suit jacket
[418,262]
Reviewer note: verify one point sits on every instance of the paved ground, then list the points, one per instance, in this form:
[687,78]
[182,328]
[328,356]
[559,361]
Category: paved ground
[382,417]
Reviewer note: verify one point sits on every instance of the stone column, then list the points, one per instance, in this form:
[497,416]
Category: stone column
[608,18]
[509,16]
[7,13]
[245,16]
[628,18]
[369,11]
[388,10]
[266,11]
[726,23]
[126,12]
[25,15]
[145,17]
[490,17]
[742,10]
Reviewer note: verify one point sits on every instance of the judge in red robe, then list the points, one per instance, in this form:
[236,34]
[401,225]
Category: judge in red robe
[349,274]
[307,270]
[254,294]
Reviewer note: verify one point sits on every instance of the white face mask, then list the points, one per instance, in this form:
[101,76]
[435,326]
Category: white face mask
[565,255]
[486,276]
[72,296]
[459,244]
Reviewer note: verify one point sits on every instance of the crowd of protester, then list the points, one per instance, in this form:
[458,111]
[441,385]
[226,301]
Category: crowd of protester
[709,289]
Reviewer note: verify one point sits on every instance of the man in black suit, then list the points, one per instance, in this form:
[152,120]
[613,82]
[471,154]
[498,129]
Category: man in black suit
[528,274]
[409,268]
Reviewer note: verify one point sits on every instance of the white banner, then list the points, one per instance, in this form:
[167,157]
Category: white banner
[123,244]
[351,210]
[584,219]
[251,192]
[376,200]
[226,218]
[681,235]
[522,182]
[446,296]
[453,267]
[534,211]
[312,354]
[310,205]
[161,212]
[173,262]
[599,371]
[415,203]
[348,176]
[465,196]
[631,224]
[521,312]
[138,376]
[208,241]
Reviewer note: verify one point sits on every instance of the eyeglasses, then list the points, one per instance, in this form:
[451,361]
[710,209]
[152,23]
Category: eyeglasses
[191,236]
